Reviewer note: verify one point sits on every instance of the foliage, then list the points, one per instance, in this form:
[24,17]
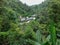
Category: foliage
[44,30]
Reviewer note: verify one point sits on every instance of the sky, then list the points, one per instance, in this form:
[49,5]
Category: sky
[32,2]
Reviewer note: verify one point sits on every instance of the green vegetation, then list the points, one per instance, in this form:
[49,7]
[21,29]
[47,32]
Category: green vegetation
[44,30]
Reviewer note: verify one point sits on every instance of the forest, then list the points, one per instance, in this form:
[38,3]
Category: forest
[21,24]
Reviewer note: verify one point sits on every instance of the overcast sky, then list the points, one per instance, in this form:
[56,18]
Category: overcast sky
[32,2]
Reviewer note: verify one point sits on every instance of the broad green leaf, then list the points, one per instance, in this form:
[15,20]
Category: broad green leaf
[53,33]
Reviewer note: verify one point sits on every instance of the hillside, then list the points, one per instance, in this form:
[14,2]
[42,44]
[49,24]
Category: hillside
[18,7]
[47,11]
[29,25]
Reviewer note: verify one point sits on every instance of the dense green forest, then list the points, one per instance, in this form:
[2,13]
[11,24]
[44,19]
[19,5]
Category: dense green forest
[43,30]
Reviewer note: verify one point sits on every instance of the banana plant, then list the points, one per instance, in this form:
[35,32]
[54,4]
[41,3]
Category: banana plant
[49,40]
[39,40]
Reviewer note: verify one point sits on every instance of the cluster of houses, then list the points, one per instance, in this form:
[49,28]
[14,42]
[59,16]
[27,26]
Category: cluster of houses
[27,19]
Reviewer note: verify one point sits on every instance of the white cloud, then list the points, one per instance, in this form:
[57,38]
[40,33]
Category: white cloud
[32,2]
